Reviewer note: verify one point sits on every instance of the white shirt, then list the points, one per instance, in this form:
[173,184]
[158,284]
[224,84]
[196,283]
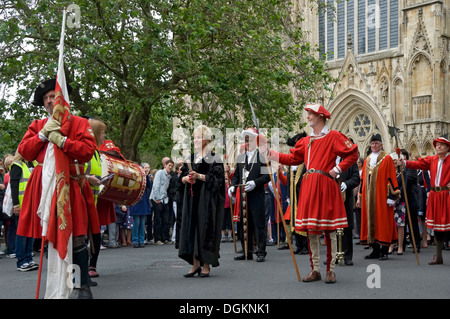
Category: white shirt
[439,170]
[250,155]
[373,159]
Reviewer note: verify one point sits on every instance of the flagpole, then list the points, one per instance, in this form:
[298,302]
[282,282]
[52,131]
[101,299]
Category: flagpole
[61,47]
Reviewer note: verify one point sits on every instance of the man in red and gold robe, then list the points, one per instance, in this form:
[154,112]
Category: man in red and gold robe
[320,205]
[377,195]
[79,145]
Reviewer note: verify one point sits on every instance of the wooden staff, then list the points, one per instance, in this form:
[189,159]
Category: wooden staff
[40,268]
[398,151]
[282,217]
[256,122]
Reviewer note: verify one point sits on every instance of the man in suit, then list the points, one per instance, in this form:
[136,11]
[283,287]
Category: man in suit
[349,179]
[250,174]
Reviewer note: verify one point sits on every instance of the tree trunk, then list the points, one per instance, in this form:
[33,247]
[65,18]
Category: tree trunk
[132,131]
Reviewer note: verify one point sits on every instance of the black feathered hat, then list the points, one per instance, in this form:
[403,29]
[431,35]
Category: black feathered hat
[43,89]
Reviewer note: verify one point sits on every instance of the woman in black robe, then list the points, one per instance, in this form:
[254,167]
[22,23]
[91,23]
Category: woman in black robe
[203,181]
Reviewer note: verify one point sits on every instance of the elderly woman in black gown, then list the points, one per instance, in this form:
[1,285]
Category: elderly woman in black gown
[203,182]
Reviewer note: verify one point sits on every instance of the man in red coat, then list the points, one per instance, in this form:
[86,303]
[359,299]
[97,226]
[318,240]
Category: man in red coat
[79,145]
[320,205]
[438,206]
[377,196]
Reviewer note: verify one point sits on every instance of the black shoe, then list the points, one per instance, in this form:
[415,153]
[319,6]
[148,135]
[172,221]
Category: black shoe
[84,293]
[204,275]
[304,251]
[383,256]
[260,259]
[192,274]
[372,256]
[242,257]
[348,262]
[92,283]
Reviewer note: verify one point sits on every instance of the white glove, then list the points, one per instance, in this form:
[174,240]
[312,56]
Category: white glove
[390,202]
[249,186]
[288,201]
[230,191]
[50,126]
[343,186]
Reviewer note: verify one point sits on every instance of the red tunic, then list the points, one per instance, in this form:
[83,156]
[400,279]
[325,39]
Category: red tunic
[80,144]
[438,205]
[377,217]
[320,204]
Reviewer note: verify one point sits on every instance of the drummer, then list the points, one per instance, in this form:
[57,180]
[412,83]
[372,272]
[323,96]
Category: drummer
[105,209]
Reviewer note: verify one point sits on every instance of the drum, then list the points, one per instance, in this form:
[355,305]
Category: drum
[128,181]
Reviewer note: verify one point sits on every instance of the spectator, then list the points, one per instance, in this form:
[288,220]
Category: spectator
[140,211]
[160,205]
[19,175]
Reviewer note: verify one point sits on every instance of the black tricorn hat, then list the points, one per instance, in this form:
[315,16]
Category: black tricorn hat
[376,137]
[291,141]
[43,88]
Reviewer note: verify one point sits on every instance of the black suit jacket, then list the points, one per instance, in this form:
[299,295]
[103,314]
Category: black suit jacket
[351,178]
[255,198]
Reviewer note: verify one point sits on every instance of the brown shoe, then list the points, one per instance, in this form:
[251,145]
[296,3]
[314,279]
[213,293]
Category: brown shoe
[330,277]
[436,261]
[312,276]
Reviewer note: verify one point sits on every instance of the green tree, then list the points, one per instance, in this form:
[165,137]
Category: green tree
[131,61]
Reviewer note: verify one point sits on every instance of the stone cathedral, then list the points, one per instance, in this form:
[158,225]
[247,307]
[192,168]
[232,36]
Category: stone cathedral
[392,62]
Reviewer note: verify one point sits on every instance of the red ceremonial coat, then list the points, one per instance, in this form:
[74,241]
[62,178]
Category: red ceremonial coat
[438,205]
[80,144]
[377,217]
[320,204]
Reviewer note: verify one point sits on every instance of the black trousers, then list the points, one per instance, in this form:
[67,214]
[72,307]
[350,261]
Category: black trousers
[256,228]
[347,243]
[161,224]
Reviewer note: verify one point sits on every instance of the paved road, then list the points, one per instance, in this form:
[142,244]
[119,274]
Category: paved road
[155,272]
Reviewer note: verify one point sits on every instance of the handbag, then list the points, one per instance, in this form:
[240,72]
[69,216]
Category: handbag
[8,206]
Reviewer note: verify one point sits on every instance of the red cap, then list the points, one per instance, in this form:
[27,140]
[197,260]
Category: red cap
[441,140]
[108,146]
[318,109]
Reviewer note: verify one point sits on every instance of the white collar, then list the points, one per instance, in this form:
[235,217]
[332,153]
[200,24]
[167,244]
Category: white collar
[250,153]
[324,131]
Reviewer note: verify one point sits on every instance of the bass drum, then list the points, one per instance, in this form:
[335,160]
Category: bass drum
[128,183]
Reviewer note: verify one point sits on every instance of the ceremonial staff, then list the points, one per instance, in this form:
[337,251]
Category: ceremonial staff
[244,210]
[398,151]
[62,118]
[256,122]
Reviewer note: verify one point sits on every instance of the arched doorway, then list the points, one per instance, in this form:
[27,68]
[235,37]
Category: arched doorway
[356,115]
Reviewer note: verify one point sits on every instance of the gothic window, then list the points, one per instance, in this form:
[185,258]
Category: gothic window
[362,126]
[373,25]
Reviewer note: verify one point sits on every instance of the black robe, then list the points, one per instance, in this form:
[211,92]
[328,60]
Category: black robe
[203,210]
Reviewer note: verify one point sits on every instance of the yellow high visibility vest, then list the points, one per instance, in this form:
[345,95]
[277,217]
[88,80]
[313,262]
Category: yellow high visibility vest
[23,180]
[94,167]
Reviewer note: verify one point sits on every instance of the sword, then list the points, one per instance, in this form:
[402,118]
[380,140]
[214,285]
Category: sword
[256,123]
